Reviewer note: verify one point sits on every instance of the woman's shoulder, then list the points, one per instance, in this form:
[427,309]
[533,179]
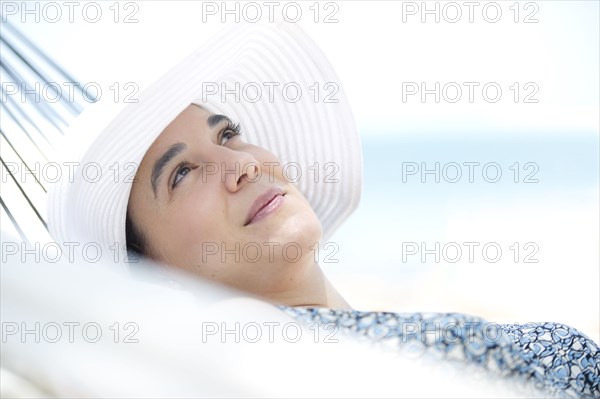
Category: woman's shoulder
[396,322]
[553,355]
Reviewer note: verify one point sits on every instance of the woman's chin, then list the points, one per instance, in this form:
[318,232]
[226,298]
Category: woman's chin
[302,229]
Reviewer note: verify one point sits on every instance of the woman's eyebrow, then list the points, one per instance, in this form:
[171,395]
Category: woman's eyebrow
[177,149]
[160,164]
[214,120]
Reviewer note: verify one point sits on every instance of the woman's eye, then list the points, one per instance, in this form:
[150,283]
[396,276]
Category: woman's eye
[184,170]
[228,135]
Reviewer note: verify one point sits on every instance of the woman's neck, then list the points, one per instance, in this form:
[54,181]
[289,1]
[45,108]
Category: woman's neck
[310,289]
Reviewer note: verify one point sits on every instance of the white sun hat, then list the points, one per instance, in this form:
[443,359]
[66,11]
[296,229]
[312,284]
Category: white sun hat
[271,78]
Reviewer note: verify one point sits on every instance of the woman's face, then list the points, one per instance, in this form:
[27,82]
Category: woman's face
[210,203]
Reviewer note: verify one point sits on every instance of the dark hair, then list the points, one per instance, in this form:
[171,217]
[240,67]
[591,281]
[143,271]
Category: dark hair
[137,244]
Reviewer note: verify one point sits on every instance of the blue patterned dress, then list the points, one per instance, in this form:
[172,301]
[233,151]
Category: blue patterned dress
[556,358]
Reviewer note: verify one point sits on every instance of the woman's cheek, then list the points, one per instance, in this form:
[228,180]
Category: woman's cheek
[270,164]
[195,218]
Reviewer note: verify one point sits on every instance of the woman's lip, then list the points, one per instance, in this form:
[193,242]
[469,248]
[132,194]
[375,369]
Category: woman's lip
[265,205]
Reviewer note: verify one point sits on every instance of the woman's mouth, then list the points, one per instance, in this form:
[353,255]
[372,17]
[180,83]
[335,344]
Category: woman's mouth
[265,205]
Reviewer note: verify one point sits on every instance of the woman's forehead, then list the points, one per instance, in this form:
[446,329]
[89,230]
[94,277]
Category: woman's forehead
[190,124]
[192,119]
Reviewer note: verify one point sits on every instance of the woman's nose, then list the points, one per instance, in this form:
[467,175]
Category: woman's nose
[239,168]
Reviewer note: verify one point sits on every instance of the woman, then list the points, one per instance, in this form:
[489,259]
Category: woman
[178,194]
[216,198]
